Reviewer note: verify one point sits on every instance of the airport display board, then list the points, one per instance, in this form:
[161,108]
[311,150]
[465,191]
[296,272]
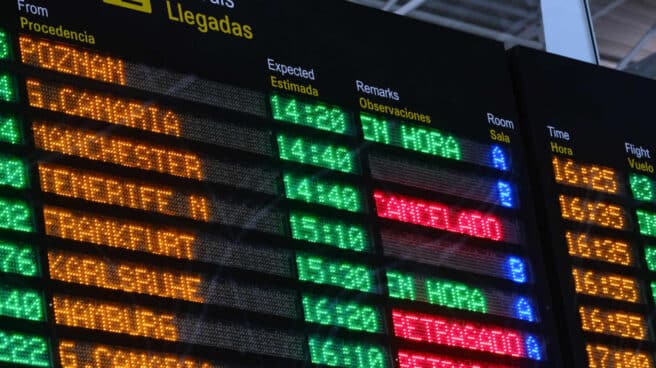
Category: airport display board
[590,131]
[232,183]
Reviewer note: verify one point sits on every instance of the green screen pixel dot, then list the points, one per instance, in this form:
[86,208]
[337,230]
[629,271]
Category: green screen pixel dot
[650,258]
[10,130]
[28,350]
[7,88]
[337,353]
[15,215]
[316,115]
[21,303]
[351,315]
[18,259]
[13,172]
[4,46]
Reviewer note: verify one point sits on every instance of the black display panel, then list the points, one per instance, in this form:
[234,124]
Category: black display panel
[589,130]
[261,184]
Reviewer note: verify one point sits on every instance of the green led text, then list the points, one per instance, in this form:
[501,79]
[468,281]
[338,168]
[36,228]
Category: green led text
[305,151]
[375,130]
[335,353]
[350,315]
[13,172]
[323,192]
[642,187]
[18,259]
[5,46]
[23,349]
[646,222]
[15,215]
[9,130]
[317,229]
[446,293]
[456,295]
[330,272]
[7,88]
[650,258]
[401,286]
[410,137]
[21,304]
[315,115]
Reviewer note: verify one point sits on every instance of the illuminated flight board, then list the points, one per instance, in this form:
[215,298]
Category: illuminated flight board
[199,184]
[592,127]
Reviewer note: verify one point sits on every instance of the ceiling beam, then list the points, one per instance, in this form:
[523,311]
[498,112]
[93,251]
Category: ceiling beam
[461,26]
[471,14]
[409,6]
[607,9]
[636,49]
[499,6]
[390,4]
[478,30]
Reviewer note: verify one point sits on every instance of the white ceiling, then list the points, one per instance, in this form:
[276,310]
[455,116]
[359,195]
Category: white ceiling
[510,21]
[619,31]
[620,25]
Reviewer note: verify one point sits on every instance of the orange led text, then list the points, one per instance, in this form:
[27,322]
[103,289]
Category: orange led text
[601,356]
[592,212]
[117,233]
[126,152]
[594,177]
[604,285]
[79,355]
[102,107]
[66,59]
[115,318]
[616,323]
[600,248]
[124,276]
[103,189]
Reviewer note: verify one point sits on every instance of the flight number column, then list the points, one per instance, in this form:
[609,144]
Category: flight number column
[642,183]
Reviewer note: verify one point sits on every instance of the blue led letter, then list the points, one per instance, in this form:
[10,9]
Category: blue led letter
[533,348]
[505,194]
[517,269]
[499,159]
[524,310]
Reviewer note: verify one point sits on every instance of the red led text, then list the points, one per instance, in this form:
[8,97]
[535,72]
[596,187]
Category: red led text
[438,216]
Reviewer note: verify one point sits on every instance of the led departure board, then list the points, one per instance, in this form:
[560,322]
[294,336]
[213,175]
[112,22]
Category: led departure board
[590,139]
[200,184]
